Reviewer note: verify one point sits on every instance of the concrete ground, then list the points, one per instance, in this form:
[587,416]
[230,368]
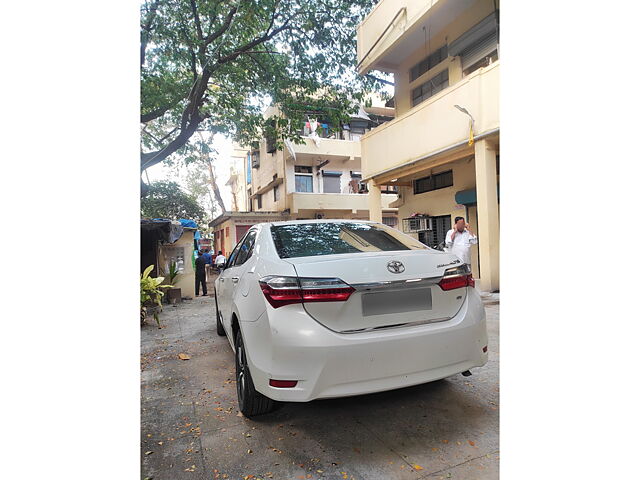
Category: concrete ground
[191,428]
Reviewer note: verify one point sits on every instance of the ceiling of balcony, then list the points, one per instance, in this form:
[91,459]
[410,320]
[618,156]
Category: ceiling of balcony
[436,18]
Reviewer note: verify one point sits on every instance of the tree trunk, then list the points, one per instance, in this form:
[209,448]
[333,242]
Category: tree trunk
[214,186]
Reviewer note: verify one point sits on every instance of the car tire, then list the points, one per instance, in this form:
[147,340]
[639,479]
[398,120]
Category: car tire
[250,401]
[219,326]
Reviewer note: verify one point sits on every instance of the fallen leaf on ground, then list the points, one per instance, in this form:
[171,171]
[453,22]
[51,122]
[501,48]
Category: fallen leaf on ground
[472,443]
[445,441]
[183,356]
[418,467]
[148,453]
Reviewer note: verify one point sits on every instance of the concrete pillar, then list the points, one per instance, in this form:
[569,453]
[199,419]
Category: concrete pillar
[375,202]
[488,218]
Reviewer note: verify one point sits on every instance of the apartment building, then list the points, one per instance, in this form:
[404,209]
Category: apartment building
[237,180]
[441,150]
[320,178]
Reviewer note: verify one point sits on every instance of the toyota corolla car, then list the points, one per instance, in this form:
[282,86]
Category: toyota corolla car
[333,308]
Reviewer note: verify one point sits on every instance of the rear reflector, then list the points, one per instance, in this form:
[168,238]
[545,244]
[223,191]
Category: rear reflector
[280,291]
[283,383]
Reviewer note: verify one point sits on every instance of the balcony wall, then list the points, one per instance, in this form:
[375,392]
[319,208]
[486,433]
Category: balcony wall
[334,201]
[435,123]
[329,147]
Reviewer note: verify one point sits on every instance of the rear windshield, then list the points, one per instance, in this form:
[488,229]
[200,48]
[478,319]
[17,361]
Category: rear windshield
[314,239]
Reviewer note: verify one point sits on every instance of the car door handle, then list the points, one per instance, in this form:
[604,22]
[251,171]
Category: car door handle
[235,279]
[222,279]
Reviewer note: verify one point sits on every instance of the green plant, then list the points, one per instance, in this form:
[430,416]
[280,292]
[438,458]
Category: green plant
[150,292]
[173,272]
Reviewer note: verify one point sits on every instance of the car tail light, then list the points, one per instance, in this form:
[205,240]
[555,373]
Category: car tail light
[457,277]
[280,291]
[283,383]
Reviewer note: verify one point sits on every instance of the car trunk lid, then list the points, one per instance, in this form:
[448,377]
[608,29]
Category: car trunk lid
[392,289]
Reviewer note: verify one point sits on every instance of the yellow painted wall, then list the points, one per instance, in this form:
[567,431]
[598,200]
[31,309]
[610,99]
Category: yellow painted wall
[403,86]
[442,201]
[186,281]
[435,123]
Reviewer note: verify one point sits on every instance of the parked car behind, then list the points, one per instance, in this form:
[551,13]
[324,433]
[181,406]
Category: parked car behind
[333,308]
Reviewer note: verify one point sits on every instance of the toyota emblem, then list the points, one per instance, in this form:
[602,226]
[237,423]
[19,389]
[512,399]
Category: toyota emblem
[395,266]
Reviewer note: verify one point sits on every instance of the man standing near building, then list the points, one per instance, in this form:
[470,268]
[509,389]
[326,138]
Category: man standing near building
[220,260]
[459,240]
[201,276]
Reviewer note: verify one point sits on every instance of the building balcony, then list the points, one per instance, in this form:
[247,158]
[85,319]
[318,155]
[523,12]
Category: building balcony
[393,30]
[434,126]
[328,147]
[335,201]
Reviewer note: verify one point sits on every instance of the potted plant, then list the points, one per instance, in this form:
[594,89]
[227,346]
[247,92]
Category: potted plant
[150,296]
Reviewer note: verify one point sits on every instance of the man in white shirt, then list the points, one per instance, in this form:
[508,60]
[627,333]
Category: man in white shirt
[459,240]
[220,259]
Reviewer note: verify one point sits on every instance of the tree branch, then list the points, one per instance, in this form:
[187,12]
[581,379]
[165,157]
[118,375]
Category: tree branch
[253,43]
[147,117]
[146,28]
[223,28]
[196,18]
[152,158]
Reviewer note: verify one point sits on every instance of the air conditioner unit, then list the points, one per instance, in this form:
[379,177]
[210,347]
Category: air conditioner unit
[417,224]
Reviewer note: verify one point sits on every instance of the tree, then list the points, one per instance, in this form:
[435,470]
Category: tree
[167,200]
[210,65]
[198,184]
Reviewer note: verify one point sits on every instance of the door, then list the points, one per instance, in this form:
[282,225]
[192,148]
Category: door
[231,276]
[224,280]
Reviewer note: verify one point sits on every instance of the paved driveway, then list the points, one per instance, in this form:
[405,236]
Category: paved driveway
[191,428]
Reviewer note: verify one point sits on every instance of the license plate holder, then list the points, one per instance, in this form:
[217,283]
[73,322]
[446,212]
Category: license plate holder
[398,301]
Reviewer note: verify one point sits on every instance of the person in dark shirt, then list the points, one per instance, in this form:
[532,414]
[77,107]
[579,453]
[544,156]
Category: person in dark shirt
[201,276]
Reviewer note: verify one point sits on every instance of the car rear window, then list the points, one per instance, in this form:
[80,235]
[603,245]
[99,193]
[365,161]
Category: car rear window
[314,239]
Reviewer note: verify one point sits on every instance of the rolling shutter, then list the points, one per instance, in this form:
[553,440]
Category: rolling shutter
[478,51]
[475,34]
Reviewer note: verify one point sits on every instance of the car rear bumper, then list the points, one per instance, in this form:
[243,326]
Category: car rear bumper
[290,345]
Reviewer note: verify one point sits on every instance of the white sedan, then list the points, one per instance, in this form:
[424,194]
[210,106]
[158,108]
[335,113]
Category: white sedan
[333,308]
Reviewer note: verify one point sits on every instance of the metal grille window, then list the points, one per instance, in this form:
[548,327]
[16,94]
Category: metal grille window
[433,182]
[390,221]
[255,159]
[429,88]
[434,238]
[276,194]
[259,200]
[271,137]
[428,63]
